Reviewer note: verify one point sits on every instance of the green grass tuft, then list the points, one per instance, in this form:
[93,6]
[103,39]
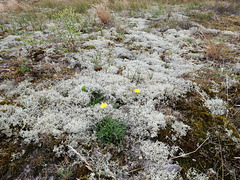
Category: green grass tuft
[109,131]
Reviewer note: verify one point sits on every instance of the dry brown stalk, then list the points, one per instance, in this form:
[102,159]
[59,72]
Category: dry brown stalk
[82,158]
[216,51]
[103,11]
[184,155]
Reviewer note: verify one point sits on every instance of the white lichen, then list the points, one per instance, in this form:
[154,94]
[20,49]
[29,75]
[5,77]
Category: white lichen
[180,128]
[194,175]
[217,106]
[155,151]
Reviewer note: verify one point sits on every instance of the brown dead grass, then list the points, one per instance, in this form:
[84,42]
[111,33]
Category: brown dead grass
[11,5]
[2,8]
[124,3]
[217,51]
[103,11]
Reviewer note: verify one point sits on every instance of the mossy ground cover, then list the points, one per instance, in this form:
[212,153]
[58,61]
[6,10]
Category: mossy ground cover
[16,158]
[203,124]
[217,158]
[223,16]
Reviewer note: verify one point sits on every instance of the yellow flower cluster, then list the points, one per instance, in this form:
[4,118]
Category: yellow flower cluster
[136,91]
[103,105]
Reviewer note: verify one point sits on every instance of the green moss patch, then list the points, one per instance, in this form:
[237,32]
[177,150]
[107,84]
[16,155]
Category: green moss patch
[203,124]
[227,22]
[213,82]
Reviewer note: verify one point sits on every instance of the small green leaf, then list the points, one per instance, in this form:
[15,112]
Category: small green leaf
[84,89]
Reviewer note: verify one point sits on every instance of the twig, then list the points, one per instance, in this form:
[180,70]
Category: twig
[5,70]
[220,148]
[138,169]
[220,145]
[81,157]
[227,93]
[203,99]
[184,155]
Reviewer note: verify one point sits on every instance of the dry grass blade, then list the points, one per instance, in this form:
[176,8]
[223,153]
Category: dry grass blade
[124,3]
[2,8]
[120,5]
[82,158]
[216,51]
[184,155]
[103,11]
[11,5]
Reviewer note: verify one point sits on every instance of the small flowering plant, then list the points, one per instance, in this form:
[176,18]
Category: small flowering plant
[137,91]
[103,105]
[68,26]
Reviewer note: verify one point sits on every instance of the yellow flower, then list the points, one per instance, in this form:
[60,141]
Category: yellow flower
[103,105]
[136,91]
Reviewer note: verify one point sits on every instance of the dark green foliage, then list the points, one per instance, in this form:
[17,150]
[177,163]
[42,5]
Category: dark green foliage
[96,98]
[109,131]
[25,69]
